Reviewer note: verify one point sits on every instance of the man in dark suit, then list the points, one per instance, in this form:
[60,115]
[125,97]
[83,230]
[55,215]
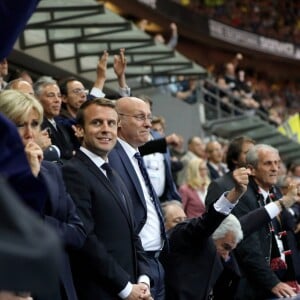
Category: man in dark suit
[200,262]
[48,93]
[259,280]
[133,131]
[111,264]
[235,158]
[214,154]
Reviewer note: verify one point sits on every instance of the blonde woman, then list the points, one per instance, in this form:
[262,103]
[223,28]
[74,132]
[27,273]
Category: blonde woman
[193,192]
[59,212]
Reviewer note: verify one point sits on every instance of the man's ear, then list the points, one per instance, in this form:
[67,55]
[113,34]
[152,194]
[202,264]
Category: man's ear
[64,98]
[119,123]
[78,131]
[252,170]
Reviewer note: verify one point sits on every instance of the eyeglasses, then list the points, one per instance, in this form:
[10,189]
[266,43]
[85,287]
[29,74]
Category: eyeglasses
[80,91]
[141,118]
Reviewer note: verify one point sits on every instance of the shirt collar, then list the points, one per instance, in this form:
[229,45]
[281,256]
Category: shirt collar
[96,159]
[130,151]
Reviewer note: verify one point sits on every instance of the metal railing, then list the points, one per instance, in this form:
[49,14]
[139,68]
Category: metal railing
[212,97]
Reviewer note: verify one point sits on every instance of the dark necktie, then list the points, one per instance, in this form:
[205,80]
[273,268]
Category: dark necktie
[152,193]
[114,182]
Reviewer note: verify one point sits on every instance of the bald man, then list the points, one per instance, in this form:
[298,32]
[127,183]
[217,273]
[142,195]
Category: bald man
[21,85]
[133,131]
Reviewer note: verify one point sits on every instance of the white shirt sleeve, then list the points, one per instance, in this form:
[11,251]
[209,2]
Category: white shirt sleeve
[272,209]
[125,91]
[126,291]
[97,92]
[224,206]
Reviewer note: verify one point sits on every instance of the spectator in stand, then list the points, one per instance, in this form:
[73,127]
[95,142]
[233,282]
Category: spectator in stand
[173,213]
[59,211]
[48,93]
[215,154]
[159,125]
[112,264]
[22,74]
[235,158]
[235,80]
[119,66]
[193,192]
[206,243]
[185,89]
[74,93]
[196,148]
[258,253]
[51,152]
[21,85]
[133,132]
[172,43]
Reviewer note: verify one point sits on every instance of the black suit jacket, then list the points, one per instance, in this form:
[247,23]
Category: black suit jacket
[193,266]
[112,254]
[218,187]
[60,213]
[253,253]
[60,137]
[213,174]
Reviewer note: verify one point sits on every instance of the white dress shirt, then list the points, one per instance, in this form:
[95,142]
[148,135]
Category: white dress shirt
[151,233]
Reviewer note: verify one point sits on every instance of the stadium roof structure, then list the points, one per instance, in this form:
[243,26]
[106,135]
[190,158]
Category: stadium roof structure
[68,38]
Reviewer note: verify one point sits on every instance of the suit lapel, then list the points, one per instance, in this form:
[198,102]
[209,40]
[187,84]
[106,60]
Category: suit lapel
[130,171]
[96,171]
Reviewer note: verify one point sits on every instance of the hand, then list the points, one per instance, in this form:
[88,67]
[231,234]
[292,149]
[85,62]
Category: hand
[241,179]
[239,56]
[139,291]
[297,229]
[101,70]
[43,139]
[34,154]
[120,63]
[173,139]
[5,295]
[292,196]
[283,290]
[173,27]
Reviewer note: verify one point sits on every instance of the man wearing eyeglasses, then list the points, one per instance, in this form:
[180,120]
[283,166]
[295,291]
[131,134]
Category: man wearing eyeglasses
[73,95]
[133,131]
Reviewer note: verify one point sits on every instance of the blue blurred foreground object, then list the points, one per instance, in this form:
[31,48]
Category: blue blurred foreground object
[14,15]
[15,169]
[30,251]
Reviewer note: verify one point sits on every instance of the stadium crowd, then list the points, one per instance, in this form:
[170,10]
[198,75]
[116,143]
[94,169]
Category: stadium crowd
[113,208]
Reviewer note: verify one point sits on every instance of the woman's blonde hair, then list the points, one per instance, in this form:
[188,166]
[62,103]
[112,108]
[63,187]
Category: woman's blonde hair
[194,180]
[16,106]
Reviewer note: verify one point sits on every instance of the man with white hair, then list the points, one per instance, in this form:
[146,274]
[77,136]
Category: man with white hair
[200,263]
